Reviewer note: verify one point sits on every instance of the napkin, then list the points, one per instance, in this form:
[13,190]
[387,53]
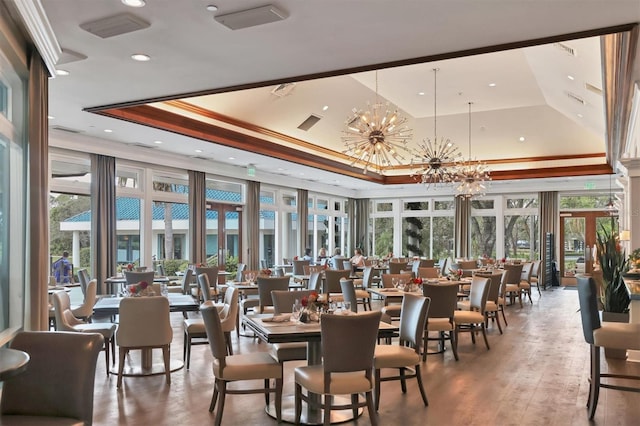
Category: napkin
[277,318]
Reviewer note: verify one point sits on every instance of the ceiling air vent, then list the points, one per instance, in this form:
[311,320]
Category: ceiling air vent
[251,17]
[66,129]
[283,89]
[576,98]
[309,122]
[115,25]
[566,49]
[199,157]
[593,89]
[141,145]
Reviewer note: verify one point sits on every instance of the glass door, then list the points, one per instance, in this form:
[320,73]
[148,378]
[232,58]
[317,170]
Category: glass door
[224,235]
[577,248]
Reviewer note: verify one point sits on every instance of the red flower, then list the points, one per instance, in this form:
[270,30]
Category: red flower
[459,272]
[130,267]
[503,260]
[417,280]
[143,285]
[304,302]
[133,288]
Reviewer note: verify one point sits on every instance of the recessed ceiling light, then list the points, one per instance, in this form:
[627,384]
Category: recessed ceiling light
[420,93]
[157,142]
[326,107]
[62,72]
[212,8]
[50,117]
[134,3]
[492,85]
[232,158]
[521,138]
[108,131]
[580,115]
[140,57]
[198,150]
[280,169]
[570,77]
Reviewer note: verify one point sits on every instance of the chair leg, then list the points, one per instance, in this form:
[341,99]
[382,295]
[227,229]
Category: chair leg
[214,398]
[328,400]
[504,317]
[123,353]
[454,344]
[167,363]
[222,388]
[403,380]
[298,403]
[373,414]
[377,387]
[594,388]
[187,349]
[497,318]
[278,401]
[354,405]
[420,386]
[267,384]
[113,350]
[106,354]
[484,334]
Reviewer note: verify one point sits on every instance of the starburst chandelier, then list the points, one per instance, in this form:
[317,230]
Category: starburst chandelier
[473,175]
[375,137]
[435,160]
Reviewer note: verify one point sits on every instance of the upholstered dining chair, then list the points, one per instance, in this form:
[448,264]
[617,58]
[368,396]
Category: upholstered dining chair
[144,324]
[232,368]
[85,310]
[525,281]
[513,274]
[349,293]
[194,327]
[598,335]
[361,285]
[315,281]
[331,284]
[429,272]
[298,266]
[83,278]
[215,290]
[535,275]
[241,268]
[185,284]
[473,320]
[406,354]
[265,286]
[443,298]
[283,301]
[397,266]
[348,344]
[66,321]
[492,308]
[57,387]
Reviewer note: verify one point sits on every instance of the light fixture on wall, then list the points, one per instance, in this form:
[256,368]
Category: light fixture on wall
[611,206]
[473,175]
[435,160]
[374,137]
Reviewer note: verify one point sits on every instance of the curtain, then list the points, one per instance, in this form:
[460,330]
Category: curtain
[352,241]
[197,216]
[38,151]
[462,217]
[103,218]
[303,222]
[548,214]
[252,216]
[361,219]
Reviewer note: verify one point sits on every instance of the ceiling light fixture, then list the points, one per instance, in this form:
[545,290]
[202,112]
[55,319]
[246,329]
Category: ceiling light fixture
[108,131]
[326,107]
[522,139]
[570,77]
[492,85]
[472,174]
[140,57]
[435,159]
[62,72]
[374,137]
[134,3]
[212,8]
[157,142]
[611,207]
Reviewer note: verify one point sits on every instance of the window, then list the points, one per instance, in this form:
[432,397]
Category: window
[483,229]
[521,239]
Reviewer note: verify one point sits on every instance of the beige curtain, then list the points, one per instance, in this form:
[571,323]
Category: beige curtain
[38,270]
[103,218]
[360,223]
[462,218]
[252,216]
[197,216]
[548,215]
[303,222]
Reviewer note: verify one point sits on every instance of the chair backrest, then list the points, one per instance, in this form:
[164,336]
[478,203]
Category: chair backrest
[387,279]
[241,268]
[212,274]
[83,277]
[283,300]
[444,299]
[230,310]
[62,304]
[86,309]
[513,273]
[413,318]
[346,264]
[444,266]
[203,285]
[186,281]
[397,267]
[298,266]
[144,322]
[587,296]
[160,270]
[278,271]
[535,269]
[314,281]
[421,263]
[429,272]
[137,277]
[286,261]
[467,264]
[367,277]
[349,293]
[263,264]
[59,379]
[527,269]
[266,285]
[215,335]
[332,280]
[336,262]
[348,342]
[478,293]
[495,282]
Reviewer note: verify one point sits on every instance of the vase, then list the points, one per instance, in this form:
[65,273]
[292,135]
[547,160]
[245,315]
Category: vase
[615,317]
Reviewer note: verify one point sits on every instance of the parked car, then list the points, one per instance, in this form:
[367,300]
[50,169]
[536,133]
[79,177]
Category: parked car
[580,266]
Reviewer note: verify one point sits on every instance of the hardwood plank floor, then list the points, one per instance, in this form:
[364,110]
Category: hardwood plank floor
[535,374]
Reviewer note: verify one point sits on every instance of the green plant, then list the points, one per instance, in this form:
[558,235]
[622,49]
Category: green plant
[613,263]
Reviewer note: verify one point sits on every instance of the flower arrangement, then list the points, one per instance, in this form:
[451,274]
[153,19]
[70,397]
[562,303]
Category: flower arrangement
[613,263]
[141,289]
[265,272]
[417,281]
[634,259]
[130,267]
[455,274]
[312,306]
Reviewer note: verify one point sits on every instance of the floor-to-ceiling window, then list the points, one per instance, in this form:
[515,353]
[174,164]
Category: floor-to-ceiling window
[224,222]
[483,228]
[289,230]
[521,240]
[268,215]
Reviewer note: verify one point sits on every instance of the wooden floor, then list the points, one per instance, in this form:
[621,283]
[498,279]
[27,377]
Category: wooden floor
[535,374]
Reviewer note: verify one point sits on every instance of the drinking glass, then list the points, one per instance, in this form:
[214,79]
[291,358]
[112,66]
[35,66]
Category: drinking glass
[346,306]
[394,281]
[296,311]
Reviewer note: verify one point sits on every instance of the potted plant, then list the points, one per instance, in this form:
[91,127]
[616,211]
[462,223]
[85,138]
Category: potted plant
[613,292]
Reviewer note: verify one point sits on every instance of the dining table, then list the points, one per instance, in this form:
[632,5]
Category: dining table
[12,362]
[110,306]
[118,282]
[270,330]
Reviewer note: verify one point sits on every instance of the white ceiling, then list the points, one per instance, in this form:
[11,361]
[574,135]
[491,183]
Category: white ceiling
[191,52]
